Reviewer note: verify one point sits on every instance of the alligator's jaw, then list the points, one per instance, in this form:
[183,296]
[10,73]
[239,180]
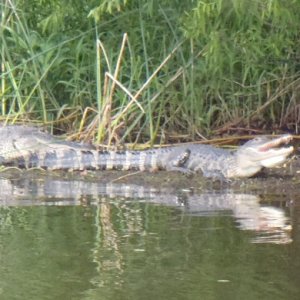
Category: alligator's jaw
[271,154]
[259,153]
[277,157]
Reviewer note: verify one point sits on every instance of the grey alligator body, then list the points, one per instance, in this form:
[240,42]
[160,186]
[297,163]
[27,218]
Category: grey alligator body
[27,147]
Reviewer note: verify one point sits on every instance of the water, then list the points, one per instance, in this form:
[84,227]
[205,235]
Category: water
[64,239]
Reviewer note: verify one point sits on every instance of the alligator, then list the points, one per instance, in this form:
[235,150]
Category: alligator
[28,147]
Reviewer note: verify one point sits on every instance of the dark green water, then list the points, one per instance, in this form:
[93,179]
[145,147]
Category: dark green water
[124,249]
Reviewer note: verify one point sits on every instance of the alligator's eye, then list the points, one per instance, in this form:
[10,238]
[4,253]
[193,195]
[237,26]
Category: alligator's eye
[259,139]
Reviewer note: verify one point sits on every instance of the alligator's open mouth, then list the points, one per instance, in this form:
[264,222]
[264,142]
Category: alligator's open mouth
[274,152]
[276,143]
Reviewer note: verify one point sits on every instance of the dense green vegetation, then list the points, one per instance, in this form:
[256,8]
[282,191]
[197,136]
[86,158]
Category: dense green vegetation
[150,71]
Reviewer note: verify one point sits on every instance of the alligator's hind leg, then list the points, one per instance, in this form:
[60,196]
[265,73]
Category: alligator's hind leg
[178,163]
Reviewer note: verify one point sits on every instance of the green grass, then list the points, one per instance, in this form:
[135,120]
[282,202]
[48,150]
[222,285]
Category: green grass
[150,71]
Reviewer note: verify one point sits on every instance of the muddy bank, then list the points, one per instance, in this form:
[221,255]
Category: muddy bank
[283,180]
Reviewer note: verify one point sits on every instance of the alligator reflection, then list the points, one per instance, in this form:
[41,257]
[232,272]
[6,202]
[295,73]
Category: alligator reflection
[270,223]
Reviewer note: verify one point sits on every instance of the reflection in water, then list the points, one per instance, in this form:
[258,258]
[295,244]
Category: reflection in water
[270,224]
[62,239]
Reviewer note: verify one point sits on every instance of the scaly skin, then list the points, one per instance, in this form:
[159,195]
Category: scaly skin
[27,147]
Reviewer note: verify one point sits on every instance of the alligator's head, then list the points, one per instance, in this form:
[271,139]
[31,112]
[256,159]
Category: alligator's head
[261,152]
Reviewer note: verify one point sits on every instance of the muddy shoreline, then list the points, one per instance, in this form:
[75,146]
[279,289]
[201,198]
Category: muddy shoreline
[283,180]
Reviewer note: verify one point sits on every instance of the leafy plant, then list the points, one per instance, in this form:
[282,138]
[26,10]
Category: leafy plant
[185,69]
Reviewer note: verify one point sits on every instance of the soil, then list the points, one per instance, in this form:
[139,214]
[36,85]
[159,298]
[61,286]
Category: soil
[278,181]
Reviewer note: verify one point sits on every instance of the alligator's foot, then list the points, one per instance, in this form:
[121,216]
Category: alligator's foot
[183,170]
[216,176]
[181,159]
[178,164]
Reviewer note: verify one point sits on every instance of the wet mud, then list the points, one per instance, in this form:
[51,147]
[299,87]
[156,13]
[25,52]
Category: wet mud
[283,180]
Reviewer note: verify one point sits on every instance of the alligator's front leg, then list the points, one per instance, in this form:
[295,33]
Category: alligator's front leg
[178,163]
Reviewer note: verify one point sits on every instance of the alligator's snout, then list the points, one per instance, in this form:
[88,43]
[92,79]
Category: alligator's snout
[277,143]
[262,152]
[271,153]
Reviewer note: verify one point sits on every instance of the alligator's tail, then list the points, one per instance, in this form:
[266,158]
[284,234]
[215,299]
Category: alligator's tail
[80,159]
